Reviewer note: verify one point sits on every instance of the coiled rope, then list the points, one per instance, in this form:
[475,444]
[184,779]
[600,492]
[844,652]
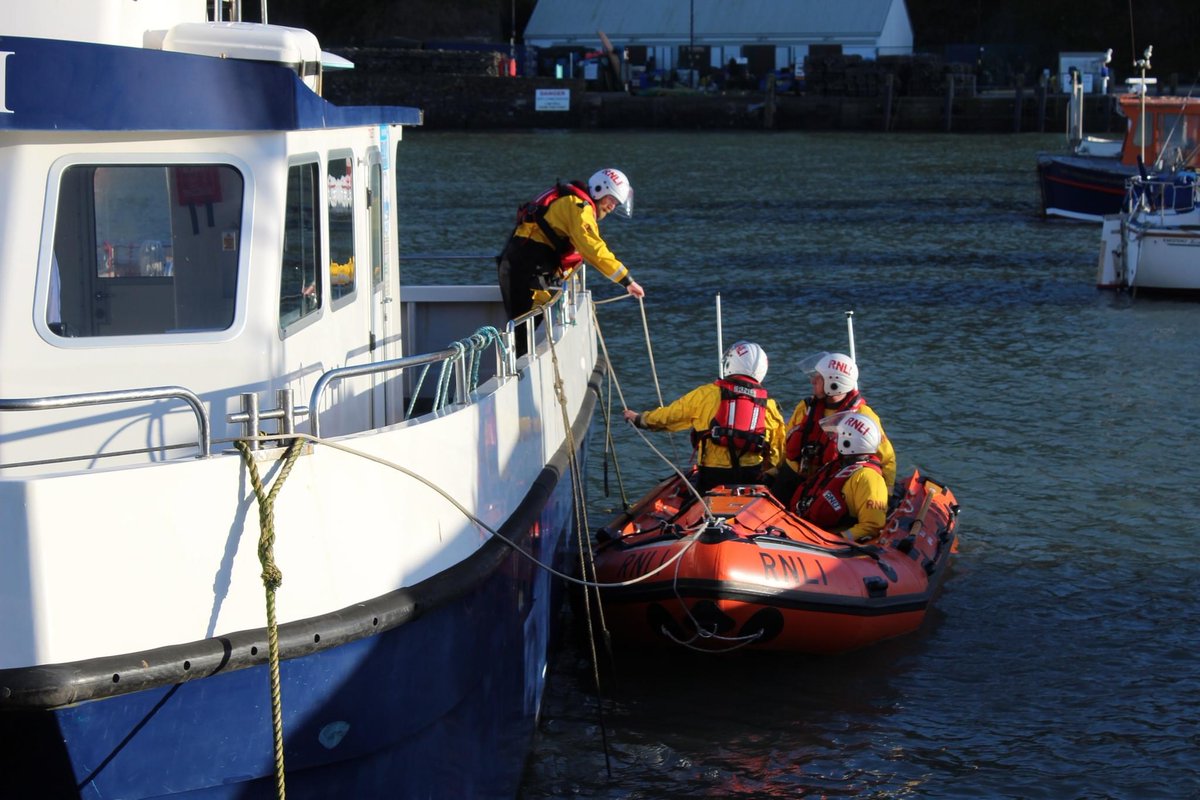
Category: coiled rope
[272,577]
[470,348]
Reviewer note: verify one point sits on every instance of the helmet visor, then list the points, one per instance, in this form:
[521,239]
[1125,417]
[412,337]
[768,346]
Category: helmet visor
[829,424]
[808,364]
[624,209]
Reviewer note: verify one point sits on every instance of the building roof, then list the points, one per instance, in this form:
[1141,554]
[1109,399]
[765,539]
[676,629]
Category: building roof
[717,22]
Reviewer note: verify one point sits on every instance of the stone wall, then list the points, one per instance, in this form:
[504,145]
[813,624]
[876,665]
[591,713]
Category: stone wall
[466,90]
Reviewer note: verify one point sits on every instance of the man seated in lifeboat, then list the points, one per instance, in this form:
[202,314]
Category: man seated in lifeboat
[847,495]
[834,379]
[737,428]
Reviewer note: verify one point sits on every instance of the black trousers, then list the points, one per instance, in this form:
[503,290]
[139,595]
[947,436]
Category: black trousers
[520,269]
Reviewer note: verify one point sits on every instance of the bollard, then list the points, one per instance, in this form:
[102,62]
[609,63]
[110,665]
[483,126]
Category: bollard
[949,99]
[888,87]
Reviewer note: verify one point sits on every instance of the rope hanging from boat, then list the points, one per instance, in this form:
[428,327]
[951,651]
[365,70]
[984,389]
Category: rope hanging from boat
[610,448]
[734,642]
[638,431]
[272,577]
[587,561]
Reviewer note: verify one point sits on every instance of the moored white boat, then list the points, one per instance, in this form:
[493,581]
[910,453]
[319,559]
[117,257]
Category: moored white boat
[1155,244]
[196,249]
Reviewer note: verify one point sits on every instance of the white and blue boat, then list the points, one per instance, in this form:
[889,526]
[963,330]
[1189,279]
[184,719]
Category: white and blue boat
[210,375]
[1153,245]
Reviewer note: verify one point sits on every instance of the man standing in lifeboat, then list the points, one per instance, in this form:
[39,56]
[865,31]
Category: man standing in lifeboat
[834,378]
[737,429]
[849,494]
[555,233]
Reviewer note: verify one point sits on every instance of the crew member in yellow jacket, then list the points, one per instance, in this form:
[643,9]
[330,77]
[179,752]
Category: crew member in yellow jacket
[848,494]
[807,448]
[555,233]
[737,429]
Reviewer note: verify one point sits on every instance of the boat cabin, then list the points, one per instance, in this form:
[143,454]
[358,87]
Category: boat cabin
[1165,129]
[186,221]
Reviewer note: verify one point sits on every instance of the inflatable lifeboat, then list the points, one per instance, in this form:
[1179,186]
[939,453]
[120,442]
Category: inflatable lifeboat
[734,569]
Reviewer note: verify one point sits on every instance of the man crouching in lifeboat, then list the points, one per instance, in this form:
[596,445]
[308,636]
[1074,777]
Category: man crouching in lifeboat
[848,494]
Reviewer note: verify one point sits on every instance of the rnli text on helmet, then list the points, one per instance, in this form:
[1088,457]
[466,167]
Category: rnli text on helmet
[840,366]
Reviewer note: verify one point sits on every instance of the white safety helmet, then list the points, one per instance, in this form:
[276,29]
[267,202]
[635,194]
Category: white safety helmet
[853,433]
[838,370]
[745,358]
[613,182]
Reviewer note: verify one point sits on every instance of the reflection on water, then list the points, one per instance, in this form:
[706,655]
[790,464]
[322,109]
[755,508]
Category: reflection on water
[1058,661]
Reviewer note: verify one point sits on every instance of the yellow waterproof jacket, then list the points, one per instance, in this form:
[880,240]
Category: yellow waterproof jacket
[575,220]
[886,453]
[866,496]
[695,411]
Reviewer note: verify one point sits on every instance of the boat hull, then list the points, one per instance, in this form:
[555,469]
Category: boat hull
[761,578]
[1082,187]
[1168,259]
[372,714]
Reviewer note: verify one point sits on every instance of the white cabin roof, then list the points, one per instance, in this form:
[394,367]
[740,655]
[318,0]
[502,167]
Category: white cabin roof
[882,23]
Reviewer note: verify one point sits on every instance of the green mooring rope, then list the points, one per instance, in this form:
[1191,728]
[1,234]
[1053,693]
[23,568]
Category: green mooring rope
[272,577]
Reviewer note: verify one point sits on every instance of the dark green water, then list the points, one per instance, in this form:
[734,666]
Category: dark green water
[1060,660]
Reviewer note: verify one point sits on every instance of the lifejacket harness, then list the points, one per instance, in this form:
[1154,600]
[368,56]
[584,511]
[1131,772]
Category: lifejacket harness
[820,499]
[535,211]
[740,422]
[807,441]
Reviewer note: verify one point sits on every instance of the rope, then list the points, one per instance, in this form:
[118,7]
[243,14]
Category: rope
[650,351]
[471,348]
[443,385]
[610,446]
[272,577]
[586,556]
[638,431]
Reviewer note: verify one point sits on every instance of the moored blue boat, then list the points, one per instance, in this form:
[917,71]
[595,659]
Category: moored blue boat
[231,442]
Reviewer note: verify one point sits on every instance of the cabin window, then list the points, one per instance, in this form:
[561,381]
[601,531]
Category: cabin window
[145,249]
[300,285]
[1178,145]
[340,177]
[375,201]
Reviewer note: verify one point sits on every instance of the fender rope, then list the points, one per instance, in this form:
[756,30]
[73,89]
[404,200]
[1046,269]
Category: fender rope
[272,577]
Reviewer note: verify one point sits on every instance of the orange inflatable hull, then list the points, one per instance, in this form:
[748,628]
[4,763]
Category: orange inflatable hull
[739,571]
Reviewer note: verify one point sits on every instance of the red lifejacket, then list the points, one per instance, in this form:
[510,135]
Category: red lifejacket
[820,500]
[808,440]
[535,211]
[740,422]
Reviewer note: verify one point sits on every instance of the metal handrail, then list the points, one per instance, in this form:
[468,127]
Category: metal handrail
[1150,196]
[559,296]
[340,373]
[204,434]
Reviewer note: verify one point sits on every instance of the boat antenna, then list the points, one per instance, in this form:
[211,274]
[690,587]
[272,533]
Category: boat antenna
[850,333]
[720,341]
[1143,64]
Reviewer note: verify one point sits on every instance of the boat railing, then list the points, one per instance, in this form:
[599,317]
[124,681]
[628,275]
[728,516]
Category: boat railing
[459,371]
[1161,195]
[561,303]
[203,429]
[460,361]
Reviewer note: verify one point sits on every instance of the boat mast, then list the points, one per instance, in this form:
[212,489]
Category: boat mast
[1143,63]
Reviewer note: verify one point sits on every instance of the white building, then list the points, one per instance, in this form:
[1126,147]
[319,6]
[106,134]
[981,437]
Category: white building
[726,29]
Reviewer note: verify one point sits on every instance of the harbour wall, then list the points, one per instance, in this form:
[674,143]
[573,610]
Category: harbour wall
[453,101]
